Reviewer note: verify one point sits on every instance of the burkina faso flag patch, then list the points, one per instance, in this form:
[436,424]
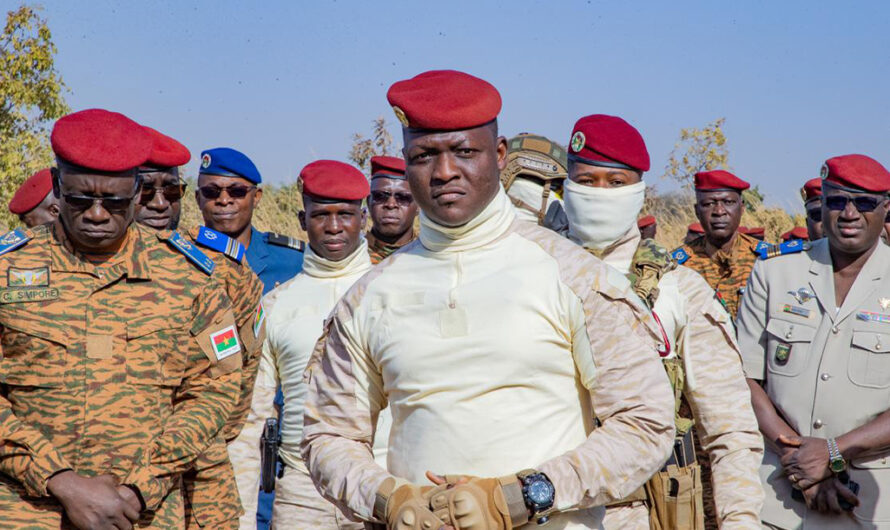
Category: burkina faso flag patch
[225,343]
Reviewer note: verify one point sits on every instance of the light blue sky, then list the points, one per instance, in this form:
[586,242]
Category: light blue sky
[289,82]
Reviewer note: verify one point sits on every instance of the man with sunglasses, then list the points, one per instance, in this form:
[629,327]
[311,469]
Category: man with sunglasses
[210,487]
[814,332]
[228,193]
[34,201]
[722,255]
[391,206]
[119,357]
[811,192]
[491,340]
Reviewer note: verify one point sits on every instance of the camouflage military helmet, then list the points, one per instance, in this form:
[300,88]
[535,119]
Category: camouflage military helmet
[535,156]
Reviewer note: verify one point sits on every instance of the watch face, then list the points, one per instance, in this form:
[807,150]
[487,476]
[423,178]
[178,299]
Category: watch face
[838,465]
[540,492]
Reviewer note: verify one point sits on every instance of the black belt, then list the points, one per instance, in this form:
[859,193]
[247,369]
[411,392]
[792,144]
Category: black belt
[683,453]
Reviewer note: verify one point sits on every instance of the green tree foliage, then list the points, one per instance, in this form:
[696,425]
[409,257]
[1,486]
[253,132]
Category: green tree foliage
[698,150]
[379,144]
[30,99]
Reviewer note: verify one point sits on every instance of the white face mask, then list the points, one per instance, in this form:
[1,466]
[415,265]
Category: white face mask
[598,217]
[532,195]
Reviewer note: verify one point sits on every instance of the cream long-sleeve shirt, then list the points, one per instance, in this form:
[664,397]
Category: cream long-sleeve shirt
[700,331]
[491,343]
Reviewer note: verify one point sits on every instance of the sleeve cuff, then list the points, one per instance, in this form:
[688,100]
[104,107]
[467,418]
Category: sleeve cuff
[150,490]
[39,473]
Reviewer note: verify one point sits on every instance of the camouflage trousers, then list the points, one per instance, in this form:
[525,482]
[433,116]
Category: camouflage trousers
[298,505]
[210,492]
[633,516]
[20,512]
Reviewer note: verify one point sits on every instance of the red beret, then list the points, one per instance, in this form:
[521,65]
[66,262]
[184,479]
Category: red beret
[32,192]
[165,151]
[444,100]
[812,189]
[329,180]
[101,140]
[798,232]
[719,180]
[387,166]
[609,141]
[643,222]
[696,228]
[756,231]
[857,171]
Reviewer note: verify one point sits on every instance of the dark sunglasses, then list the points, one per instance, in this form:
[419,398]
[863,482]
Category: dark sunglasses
[815,214]
[172,192]
[85,202]
[235,192]
[404,199]
[863,203]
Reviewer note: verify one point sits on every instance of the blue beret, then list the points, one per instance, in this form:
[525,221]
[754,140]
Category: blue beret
[229,163]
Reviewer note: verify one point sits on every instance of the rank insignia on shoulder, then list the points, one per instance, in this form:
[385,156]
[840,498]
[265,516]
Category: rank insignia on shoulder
[193,254]
[789,247]
[221,243]
[783,353]
[761,245]
[13,240]
[284,241]
[680,256]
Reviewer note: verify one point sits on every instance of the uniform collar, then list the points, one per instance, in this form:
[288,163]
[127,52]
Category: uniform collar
[257,252]
[490,225]
[131,260]
[358,262]
[620,254]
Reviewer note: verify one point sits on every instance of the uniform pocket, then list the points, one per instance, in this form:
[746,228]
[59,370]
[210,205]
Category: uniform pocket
[869,364]
[157,350]
[788,346]
[32,354]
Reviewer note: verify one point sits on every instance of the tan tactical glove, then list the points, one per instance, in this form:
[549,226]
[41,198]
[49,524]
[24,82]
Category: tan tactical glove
[406,507]
[472,503]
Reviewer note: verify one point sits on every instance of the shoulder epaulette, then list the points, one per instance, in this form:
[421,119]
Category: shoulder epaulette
[680,256]
[13,240]
[284,241]
[788,247]
[761,245]
[221,243]
[193,254]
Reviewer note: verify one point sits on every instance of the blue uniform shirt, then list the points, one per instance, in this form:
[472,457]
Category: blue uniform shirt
[274,258]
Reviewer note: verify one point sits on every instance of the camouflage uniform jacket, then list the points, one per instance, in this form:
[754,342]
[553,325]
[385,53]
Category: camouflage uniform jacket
[726,272]
[128,366]
[715,395]
[379,249]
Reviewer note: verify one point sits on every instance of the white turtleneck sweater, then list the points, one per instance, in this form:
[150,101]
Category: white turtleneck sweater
[296,311]
[491,343]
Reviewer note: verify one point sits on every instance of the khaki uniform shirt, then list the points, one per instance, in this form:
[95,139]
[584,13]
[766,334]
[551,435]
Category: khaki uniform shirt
[700,332]
[130,367]
[726,272]
[827,370]
[491,343]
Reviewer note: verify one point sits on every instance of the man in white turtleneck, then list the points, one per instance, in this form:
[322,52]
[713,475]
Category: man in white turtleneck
[337,256]
[492,341]
[603,197]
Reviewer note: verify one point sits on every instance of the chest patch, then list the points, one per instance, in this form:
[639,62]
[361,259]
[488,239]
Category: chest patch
[28,294]
[38,277]
[868,316]
[783,353]
[796,310]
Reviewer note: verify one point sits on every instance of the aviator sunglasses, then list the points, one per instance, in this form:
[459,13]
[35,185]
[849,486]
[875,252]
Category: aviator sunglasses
[171,192]
[235,192]
[863,203]
[403,199]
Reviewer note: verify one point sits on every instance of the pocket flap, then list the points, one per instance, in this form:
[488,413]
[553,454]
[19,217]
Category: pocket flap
[871,341]
[790,331]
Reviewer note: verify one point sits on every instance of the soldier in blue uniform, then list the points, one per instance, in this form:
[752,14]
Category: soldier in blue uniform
[228,191]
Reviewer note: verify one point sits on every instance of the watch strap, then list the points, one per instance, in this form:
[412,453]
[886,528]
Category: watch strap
[512,490]
[834,454]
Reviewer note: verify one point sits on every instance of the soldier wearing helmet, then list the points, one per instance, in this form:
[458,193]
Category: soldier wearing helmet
[536,169]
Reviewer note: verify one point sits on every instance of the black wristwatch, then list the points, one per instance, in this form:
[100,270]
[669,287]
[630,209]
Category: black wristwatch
[538,493]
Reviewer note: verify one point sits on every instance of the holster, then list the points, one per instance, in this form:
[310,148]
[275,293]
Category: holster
[675,499]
